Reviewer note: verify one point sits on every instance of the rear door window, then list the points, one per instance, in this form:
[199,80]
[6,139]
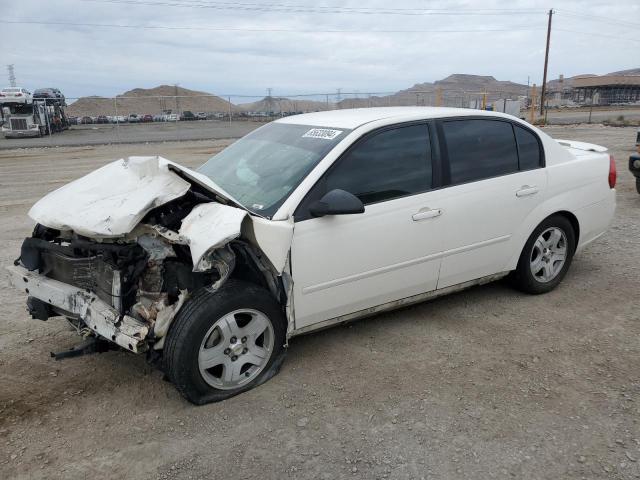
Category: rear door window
[479,149]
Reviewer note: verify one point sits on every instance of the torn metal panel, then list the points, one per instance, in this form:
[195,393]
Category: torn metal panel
[272,237]
[224,261]
[112,200]
[156,248]
[100,317]
[165,317]
[207,227]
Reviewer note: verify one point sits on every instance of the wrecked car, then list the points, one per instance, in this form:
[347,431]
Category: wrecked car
[307,222]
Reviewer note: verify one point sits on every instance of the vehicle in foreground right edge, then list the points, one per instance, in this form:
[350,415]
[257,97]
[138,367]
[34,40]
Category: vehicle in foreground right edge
[307,222]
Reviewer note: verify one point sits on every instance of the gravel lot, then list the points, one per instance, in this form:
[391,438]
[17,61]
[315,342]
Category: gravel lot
[81,135]
[487,383]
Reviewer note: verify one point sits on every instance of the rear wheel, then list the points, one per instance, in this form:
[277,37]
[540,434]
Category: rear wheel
[225,342]
[546,256]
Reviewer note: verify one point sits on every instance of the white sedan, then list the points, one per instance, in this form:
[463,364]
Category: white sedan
[15,95]
[307,222]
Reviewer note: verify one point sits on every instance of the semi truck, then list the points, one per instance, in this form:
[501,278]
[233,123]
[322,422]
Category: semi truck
[35,119]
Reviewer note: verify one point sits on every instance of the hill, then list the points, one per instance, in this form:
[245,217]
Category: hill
[282,104]
[456,90]
[150,101]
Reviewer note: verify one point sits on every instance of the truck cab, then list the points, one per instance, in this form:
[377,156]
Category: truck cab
[32,119]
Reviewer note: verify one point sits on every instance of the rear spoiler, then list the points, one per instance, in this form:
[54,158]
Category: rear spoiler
[587,147]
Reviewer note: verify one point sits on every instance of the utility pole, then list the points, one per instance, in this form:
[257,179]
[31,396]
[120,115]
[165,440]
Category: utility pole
[177,101]
[546,63]
[12,75]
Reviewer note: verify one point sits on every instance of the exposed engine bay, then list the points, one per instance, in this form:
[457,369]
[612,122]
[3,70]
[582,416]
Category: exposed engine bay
[129,287]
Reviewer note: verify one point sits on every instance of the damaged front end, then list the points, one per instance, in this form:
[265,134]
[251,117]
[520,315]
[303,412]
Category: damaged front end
[119,255]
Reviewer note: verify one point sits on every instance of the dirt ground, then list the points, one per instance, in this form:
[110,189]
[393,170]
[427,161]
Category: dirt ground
[487,383]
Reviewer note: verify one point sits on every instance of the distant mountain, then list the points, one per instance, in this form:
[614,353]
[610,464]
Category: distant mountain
[455,90]
[138,101]
[631,71]
[281,104]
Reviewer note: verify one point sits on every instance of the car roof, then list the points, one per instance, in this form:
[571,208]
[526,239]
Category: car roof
[356,117]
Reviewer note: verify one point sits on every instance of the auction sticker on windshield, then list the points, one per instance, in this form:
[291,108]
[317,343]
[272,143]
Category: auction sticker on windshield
[323,133]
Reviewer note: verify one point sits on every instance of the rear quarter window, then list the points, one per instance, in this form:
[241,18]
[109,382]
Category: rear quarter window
[529,153]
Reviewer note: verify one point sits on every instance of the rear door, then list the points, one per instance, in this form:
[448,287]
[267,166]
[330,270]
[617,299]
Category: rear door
[342,264]
[494,178]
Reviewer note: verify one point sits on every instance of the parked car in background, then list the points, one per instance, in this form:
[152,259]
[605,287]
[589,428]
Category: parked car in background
[133,118]
[158,118]
[51,96]
[307,222]
[187,116]
[102,119]
[172,117]
[146,118]
[86,120]
[634,162]
[201,115]
[15,95]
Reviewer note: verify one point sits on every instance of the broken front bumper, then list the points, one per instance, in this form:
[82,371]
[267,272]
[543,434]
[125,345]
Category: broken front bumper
[100,317]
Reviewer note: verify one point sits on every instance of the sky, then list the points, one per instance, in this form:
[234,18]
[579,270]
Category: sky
[243,47]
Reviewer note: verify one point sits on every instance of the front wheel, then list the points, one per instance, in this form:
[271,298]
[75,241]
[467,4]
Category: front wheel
[225,342]
[546,256]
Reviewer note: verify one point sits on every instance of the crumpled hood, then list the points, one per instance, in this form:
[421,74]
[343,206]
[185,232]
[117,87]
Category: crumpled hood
[111,201]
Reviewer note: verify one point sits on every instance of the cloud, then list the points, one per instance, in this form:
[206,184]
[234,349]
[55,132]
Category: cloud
[84,60]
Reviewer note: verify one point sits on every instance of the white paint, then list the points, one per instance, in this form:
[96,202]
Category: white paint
[273,238]
[588,147]
[111,201]
[352,263]
[210,226]
[345,263]
[100,317]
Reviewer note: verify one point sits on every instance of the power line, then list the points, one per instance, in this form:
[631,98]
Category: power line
[522,28]
[597,18]
[12,75]
[592,34]
[317,9]
[243,29]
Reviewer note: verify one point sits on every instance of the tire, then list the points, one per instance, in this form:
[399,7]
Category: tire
[539,268]
[206,357]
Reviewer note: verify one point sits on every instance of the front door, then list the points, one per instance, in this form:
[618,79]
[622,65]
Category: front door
[343,264]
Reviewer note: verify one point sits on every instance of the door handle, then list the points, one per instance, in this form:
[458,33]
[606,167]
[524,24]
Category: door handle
[428,213]
[527,190]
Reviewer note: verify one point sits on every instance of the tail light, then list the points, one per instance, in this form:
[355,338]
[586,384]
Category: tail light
[612,172]
[18,94]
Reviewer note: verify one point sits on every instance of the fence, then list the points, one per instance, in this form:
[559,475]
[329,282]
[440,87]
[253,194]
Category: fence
[150,118]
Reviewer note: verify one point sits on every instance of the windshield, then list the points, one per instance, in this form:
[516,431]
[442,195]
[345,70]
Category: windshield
[263,168]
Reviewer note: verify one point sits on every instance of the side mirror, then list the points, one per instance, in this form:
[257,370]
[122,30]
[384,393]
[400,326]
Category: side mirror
[336,202]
